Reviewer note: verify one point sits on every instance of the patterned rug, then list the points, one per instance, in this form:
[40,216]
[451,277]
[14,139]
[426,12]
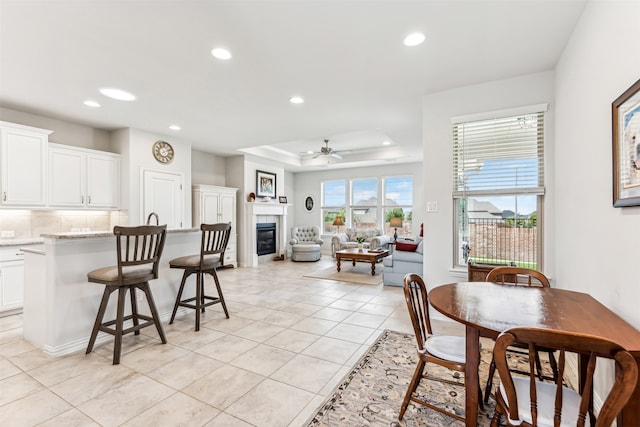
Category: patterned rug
[371,394]
[361,273]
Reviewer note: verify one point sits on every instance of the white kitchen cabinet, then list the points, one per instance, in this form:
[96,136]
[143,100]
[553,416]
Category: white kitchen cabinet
[83,178]
[11,279]
[212,205]
[23,155]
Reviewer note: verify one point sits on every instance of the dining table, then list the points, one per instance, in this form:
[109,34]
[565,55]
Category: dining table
[487,309]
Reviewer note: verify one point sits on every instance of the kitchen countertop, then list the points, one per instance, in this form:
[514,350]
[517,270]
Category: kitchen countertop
[91,234]
[21,242]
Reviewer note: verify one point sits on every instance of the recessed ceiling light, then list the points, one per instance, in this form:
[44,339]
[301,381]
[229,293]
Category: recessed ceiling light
[118,94]
[386,142]
[93,104]
[309,152]
[175,127]
[296,100]
[414,39]
[221,53]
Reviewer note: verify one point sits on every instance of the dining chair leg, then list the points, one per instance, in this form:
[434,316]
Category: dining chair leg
[134,308]
[154,311]
[220,295]
[487,389]
[413,385]
[96,325]
[179,297]
[117,347]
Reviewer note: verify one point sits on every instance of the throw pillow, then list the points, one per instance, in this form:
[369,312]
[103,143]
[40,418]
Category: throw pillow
[407,247]
[420,248]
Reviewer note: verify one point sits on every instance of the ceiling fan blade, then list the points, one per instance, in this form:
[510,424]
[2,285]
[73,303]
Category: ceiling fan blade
[336,155]
[317,155]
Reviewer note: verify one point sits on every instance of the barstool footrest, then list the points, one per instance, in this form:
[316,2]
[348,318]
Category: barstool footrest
[149,322]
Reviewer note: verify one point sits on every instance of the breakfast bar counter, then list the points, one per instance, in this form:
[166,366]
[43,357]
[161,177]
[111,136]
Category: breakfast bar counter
[60,305]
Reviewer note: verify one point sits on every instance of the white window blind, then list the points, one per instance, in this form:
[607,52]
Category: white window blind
[499,156]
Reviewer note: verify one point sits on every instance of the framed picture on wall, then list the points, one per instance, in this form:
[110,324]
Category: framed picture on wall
[625,115]
[309,204]
[265,184]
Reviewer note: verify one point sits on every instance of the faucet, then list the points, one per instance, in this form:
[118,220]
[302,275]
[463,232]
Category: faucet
[155,215]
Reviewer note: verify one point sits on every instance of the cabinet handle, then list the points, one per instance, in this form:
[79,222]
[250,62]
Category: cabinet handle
[82,199]
[4,196]
[89,200]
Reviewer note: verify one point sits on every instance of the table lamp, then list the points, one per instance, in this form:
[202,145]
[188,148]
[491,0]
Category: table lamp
[338,222]
[395,223]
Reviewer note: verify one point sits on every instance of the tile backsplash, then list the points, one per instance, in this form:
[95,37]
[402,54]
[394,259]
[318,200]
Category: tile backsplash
[28,224]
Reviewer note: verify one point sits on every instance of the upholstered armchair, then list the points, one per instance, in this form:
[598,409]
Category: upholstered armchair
[373,238]
[305,243]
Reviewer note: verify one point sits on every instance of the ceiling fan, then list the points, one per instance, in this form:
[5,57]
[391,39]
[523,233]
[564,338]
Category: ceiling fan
[328,151]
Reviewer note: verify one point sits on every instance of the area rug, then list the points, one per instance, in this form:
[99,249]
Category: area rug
[361,273]
[371,394]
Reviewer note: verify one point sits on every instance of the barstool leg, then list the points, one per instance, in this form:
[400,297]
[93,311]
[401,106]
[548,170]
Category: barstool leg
[154,311]
[117,347]
[178,298]
[134,308]
[224,305]
[198,299]
[99,317]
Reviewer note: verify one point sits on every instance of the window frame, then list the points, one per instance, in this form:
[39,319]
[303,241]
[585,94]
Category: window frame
[513,191]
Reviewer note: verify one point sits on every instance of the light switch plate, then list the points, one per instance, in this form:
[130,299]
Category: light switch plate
[432,207]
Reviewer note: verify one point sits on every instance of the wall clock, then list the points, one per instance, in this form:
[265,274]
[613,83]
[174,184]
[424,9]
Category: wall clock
[163,151]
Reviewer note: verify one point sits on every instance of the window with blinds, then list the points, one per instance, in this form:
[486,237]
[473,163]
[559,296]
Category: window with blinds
[498,188]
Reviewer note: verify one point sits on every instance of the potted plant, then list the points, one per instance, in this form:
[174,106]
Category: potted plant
[360,240]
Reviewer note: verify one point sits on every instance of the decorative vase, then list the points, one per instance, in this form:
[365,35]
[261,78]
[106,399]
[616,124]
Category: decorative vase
[359,247]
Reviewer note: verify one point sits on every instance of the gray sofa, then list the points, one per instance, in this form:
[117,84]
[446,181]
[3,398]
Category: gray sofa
[374,238]
[402,262]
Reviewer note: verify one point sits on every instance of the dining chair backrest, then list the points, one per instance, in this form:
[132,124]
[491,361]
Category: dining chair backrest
[215,238]
[139,250]
[519,276]
[416,296]
[583,344]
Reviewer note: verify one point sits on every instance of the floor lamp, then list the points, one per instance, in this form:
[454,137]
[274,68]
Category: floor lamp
[396,222]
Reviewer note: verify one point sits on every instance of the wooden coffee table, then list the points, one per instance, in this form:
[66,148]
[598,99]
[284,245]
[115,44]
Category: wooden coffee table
[355,254]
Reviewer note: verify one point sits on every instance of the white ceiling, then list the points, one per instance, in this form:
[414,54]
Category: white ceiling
[361,85]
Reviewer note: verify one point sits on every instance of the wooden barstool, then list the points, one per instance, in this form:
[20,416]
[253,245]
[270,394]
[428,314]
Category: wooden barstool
[138,250]
[215,238]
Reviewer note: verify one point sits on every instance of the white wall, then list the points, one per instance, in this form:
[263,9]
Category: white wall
[308,184]
[438,109]
[597,245]
[207,168]
[63,132]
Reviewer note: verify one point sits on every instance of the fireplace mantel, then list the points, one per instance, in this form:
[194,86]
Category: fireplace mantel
[253,211]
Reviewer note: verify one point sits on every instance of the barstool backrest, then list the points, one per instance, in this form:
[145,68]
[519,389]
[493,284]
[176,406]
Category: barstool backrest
[215,238]
[139,250]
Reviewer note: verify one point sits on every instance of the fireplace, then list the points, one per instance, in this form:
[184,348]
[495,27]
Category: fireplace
[266,238]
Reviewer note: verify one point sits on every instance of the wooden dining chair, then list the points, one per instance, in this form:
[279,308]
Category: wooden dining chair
[443,350]
[525,401]
[508,275]
[138,253]
[215,238]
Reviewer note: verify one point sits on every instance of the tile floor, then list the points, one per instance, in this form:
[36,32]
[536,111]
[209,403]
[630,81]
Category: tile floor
[287,344]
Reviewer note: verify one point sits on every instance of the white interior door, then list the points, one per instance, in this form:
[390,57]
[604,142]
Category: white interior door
[162,194]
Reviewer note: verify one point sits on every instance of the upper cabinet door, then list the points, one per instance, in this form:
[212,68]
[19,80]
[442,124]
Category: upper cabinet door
[83,178]
[23,153]
[67,168]
[103,181]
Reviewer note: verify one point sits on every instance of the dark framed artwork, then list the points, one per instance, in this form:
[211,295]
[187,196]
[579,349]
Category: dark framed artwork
[265,184]
[309,204]
[625,115]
